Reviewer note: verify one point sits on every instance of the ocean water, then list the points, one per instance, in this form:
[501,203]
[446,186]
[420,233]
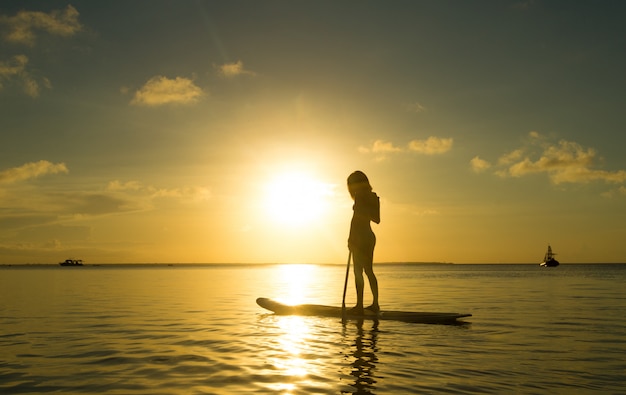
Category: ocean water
[197,330]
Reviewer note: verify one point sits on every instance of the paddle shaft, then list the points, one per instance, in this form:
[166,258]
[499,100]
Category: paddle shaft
[345,286]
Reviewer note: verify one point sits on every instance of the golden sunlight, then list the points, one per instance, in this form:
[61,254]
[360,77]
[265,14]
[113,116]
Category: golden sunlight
[293,362]
[296,199]
[293,342]
[296,280]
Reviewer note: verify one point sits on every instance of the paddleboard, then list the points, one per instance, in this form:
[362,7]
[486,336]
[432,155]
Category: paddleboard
[334,311]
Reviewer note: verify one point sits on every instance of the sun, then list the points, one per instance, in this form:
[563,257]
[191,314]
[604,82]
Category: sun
[296,199]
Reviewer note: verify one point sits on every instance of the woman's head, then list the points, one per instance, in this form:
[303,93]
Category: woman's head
[358,182]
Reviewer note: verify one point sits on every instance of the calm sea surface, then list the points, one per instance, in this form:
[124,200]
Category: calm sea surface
[197,330]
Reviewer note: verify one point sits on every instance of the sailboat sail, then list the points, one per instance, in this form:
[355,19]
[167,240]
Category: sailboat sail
[548,259]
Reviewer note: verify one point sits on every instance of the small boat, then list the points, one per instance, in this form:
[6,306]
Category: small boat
[548,259]
[72,262]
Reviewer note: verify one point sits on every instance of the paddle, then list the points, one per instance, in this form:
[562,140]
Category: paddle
[345,288]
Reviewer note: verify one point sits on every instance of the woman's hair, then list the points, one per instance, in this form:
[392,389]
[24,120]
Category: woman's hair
[358,182]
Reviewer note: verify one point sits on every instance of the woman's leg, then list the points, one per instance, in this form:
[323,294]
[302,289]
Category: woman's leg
[368,267]
[369,271]
[357,258]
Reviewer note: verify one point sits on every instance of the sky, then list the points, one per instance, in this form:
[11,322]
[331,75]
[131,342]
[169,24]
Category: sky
[224,131]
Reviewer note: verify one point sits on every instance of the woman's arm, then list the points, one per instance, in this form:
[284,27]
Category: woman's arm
[374,206]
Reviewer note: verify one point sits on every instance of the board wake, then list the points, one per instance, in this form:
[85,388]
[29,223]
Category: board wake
[334,311]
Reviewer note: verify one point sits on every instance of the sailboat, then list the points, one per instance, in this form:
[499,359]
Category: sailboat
[548,259]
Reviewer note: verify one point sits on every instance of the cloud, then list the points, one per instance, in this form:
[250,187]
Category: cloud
[95,204]
[185,194]
[129,185]
[563,162]
[64,206]
[22,28]
[31,170]
[161,90]
[230,70]
[380,146]
[511,157]
[33,214]
[15,70]
[479,165]
[13,67]
[431,146]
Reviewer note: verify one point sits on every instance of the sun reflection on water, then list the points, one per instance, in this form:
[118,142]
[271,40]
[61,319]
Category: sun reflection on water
[296,280]
[293,362]
[293,343]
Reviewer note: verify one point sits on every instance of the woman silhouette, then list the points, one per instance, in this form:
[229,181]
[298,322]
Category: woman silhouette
[362,240]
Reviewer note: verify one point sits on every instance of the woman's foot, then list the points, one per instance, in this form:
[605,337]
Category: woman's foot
[373,308]
[356,310]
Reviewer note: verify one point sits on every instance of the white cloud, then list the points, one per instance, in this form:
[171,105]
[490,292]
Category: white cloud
[380,146]
[129,185]
[479,165]
[511,157]
[431,146]
[563,162]
[186,194]
[31,170]
[235,69]
[161,90]
[22,28]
